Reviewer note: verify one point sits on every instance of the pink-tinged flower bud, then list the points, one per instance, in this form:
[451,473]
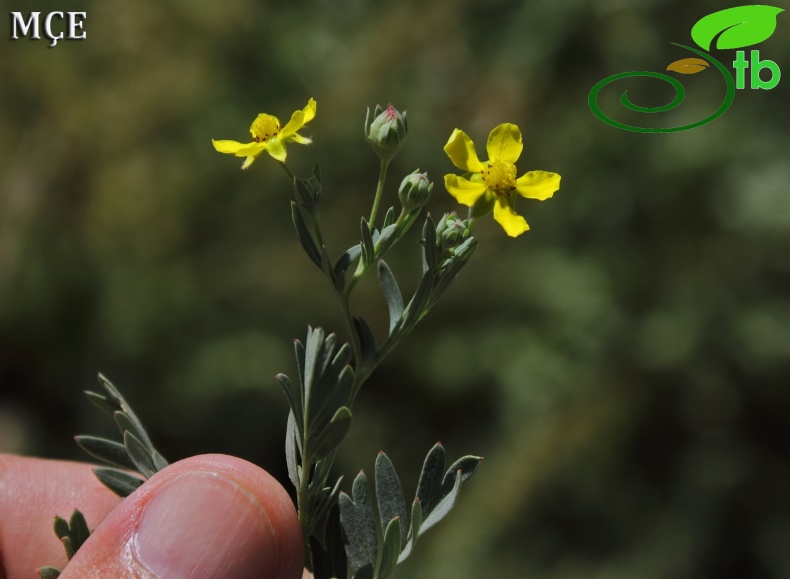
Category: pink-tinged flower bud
[387,131]
[415,191]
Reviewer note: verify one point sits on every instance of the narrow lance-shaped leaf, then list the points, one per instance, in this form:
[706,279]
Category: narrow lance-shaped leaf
[291,460]
[391,291]
[139,454]
[305,238]
[366,339]
[121,483]
[107,450]
[330,437]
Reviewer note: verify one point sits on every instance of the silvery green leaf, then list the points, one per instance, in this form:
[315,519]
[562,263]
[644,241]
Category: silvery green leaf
[366,340]
[430,252]
[414,531]
[467,465]
[139,431]
[159,460]
[78,529]
[390,549]
[389,217]
[416,308]
[331,436]
[383,242]
[121,483]
[389,495]
[125,424]
[368,245]
[294,398]
[305,238]
[391,291]
[429,487]
[443,507]
[356,517]
[101,402]
[345,260]
[139,454]
[107,450]
[291,459]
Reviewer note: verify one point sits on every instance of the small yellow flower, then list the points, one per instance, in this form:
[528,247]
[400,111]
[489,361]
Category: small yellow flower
[492,185]
[267,135]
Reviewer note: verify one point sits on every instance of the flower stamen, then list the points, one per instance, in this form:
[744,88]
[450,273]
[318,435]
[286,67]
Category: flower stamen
[264,127]
[500,176]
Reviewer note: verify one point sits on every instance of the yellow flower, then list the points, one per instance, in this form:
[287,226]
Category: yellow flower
[267,135]
[492,185]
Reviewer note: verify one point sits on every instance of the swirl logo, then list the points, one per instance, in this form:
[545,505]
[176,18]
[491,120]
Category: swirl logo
[731,28]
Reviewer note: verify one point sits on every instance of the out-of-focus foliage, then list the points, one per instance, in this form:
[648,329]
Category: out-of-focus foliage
[629,356]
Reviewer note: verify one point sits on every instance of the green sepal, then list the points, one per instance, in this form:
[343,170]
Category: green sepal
[391,291]
[121,483]
[391,548]
[305,238]
[106,450]
[356,516]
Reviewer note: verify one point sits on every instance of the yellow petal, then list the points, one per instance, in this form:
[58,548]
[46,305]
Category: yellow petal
[513,223]
[504,143]
[297,138]
[247,162]
[299,119]
[461,151]
[228,146]
[309,111]
[276,149]
[465,192]
[250,149]
[538,184]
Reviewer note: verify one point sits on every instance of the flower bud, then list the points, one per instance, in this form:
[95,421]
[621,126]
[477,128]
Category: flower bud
[450,232]
[386,132]
[414,191]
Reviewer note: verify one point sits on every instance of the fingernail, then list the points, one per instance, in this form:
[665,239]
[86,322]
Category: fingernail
[201,524]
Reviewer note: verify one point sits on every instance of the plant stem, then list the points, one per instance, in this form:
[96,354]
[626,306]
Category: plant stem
[384,165]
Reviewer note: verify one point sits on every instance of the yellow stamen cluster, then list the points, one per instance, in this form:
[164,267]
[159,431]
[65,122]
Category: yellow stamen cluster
[264,127]
[500,176]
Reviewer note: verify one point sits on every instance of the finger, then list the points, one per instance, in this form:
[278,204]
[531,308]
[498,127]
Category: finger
[209,516]
[32,492]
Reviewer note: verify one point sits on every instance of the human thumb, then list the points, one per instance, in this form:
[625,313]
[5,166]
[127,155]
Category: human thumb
[210,516]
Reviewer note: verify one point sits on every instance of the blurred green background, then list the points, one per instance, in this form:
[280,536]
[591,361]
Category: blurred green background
[623,367]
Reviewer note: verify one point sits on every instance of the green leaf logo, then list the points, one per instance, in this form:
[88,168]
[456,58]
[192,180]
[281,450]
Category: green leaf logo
[739,27]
